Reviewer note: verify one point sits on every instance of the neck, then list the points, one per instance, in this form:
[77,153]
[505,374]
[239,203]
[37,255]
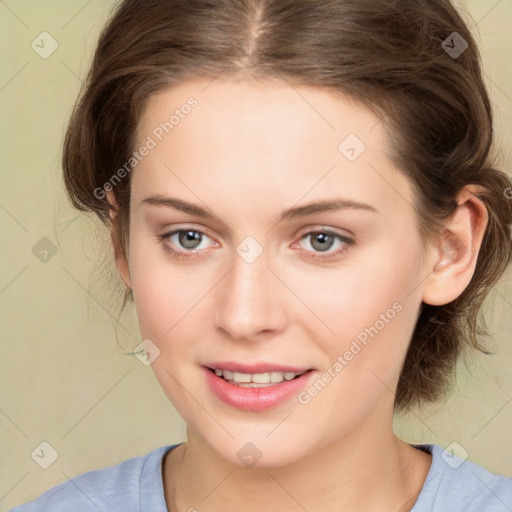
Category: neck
[370,469]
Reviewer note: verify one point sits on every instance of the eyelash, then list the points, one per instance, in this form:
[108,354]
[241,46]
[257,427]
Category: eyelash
[182,255]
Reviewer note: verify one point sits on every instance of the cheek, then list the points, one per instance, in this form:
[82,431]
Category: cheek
[171,312]
[368,311]
[373,323]
[167,302]
[165,291]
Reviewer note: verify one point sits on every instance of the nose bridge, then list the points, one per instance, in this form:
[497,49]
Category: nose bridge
[249,302]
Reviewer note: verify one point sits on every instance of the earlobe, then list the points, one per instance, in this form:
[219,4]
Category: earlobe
[121,261]
[454,258]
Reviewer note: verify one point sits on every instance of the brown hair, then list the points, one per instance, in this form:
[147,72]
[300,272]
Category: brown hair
[390,55]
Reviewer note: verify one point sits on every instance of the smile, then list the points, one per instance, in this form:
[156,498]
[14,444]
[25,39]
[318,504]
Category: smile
[256,391]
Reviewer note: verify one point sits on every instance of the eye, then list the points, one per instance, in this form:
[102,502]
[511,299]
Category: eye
[322,241]
[186,240]
[189,241]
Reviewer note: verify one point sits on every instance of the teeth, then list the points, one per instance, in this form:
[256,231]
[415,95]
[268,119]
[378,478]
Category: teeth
[256,378]
[241,377]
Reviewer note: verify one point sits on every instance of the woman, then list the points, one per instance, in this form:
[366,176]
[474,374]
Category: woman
[305,213]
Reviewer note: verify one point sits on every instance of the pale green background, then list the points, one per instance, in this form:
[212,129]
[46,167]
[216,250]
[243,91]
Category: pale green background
[64,378]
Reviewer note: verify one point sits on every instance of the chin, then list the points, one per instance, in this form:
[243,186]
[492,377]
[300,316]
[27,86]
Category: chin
[246,451]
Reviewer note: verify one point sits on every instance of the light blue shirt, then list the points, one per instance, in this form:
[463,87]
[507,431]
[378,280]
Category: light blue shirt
[135,485]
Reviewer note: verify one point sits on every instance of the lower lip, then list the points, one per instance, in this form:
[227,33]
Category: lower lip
[255,399]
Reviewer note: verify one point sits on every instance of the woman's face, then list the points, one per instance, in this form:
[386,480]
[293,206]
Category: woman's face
[267,281]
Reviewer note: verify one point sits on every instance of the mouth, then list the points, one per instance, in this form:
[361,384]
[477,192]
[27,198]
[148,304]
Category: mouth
[256,390]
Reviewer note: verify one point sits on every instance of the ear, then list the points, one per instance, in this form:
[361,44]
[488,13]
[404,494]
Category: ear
[121,261]
[454,258]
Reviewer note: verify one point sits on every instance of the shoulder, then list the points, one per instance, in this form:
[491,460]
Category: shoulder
[115,488]
[457,485]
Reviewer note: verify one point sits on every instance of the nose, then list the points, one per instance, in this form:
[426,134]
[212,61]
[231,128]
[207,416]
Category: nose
[250,303]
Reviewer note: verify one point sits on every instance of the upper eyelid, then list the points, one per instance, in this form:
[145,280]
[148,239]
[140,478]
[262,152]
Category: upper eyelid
[343,238]
[172,231]
[325,229]
[303,232]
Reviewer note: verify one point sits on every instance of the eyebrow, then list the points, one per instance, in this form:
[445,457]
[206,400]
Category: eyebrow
[292,213]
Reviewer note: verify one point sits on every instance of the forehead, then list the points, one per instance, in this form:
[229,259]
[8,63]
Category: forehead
[264,136]
[264,109]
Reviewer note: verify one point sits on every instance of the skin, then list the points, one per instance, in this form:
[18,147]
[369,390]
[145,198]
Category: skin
[246,153]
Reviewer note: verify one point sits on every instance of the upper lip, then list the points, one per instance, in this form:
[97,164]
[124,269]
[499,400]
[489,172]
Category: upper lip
[254,367]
